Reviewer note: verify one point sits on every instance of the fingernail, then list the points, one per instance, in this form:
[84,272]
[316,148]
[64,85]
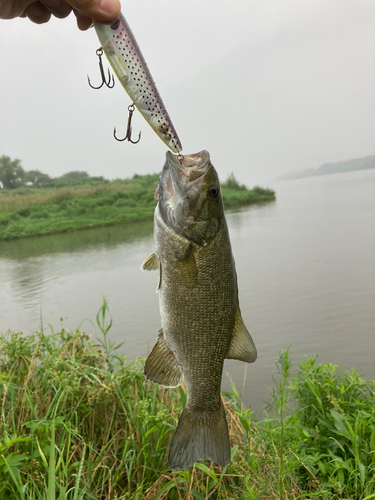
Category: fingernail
[106,6]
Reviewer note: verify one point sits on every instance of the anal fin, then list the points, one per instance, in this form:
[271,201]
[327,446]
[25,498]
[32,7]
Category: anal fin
[242,346]
[161,366]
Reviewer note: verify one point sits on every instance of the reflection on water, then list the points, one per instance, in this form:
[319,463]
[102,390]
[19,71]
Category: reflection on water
[78,241]
[67,275]
[305,266]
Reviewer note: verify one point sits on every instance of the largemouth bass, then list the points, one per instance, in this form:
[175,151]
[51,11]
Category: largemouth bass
[127,61]
[198,297]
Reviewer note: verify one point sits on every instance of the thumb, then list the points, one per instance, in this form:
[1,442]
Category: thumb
[104,11]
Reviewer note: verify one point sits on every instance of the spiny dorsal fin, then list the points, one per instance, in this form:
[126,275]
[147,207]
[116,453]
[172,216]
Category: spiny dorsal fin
[151,263]
[161,365]
[242,346]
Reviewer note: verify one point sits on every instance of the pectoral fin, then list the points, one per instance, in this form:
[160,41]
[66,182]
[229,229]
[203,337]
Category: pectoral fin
[151,263]
[161,365]
[242,346]
[159,280]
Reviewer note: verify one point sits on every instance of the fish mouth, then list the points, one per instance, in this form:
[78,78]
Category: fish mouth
[179,172]
[181,179]
[190,166]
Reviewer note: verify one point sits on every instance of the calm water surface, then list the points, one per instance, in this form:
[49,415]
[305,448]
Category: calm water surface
[305,264]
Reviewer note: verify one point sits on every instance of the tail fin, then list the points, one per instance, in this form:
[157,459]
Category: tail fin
[200,436]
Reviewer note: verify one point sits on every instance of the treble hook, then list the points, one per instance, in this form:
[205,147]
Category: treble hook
[110,85]
[128,136]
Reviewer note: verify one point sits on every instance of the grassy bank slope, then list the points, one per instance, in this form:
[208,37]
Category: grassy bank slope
[77,422]
[93,202]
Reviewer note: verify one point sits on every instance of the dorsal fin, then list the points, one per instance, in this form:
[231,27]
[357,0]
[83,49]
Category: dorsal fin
[242,346]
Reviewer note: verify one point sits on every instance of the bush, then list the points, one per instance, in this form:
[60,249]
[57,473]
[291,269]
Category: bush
[323,426]
[232,183]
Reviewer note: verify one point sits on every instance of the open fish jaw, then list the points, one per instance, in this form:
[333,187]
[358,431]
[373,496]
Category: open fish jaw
[184,202]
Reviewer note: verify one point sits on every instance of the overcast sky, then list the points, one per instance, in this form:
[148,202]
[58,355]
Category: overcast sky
[266,86]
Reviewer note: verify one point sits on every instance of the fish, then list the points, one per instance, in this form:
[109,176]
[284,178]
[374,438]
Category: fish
[199,307]
[130,67]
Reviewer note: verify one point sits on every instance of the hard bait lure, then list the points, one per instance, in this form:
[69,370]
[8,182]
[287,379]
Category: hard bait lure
[127,61]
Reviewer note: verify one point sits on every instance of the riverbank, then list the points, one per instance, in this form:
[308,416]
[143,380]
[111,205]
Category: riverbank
[94,202]
[78,422]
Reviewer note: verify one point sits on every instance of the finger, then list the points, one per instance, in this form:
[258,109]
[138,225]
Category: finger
[12,9]
[101,10]
[83,21]
[59,8]
[38,13]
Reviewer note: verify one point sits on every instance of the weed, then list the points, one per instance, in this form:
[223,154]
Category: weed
[77,421]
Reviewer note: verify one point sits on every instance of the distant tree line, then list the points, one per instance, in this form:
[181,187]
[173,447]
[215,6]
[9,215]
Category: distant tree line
[12,175]
[339,167]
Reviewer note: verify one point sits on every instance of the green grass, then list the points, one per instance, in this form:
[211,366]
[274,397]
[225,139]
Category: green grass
[67,205]
[77,421]
[234,198]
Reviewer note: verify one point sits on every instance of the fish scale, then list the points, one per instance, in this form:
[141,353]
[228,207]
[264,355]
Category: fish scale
[127,61]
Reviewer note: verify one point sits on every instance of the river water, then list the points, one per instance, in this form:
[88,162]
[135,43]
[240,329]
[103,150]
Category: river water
[305,265]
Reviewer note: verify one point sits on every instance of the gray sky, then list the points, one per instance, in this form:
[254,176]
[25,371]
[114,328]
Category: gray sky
[266,86]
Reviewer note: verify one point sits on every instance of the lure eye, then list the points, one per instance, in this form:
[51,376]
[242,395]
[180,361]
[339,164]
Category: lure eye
[116,25]
[214,191]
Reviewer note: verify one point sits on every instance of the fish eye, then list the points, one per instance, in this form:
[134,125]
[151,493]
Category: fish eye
[214,191]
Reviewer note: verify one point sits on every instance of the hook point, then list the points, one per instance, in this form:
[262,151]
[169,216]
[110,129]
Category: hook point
[111,80]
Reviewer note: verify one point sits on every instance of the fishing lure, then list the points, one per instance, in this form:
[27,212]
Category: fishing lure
[127,61]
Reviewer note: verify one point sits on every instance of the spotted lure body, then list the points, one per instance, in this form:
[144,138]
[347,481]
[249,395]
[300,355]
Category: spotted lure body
[127,61]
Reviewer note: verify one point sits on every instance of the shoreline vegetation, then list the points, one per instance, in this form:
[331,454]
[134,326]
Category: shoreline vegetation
[68,204]
[77,422]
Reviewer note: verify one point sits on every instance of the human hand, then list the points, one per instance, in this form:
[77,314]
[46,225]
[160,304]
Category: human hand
[105,11]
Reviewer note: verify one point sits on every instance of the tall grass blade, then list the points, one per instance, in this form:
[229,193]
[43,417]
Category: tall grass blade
[51,491]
